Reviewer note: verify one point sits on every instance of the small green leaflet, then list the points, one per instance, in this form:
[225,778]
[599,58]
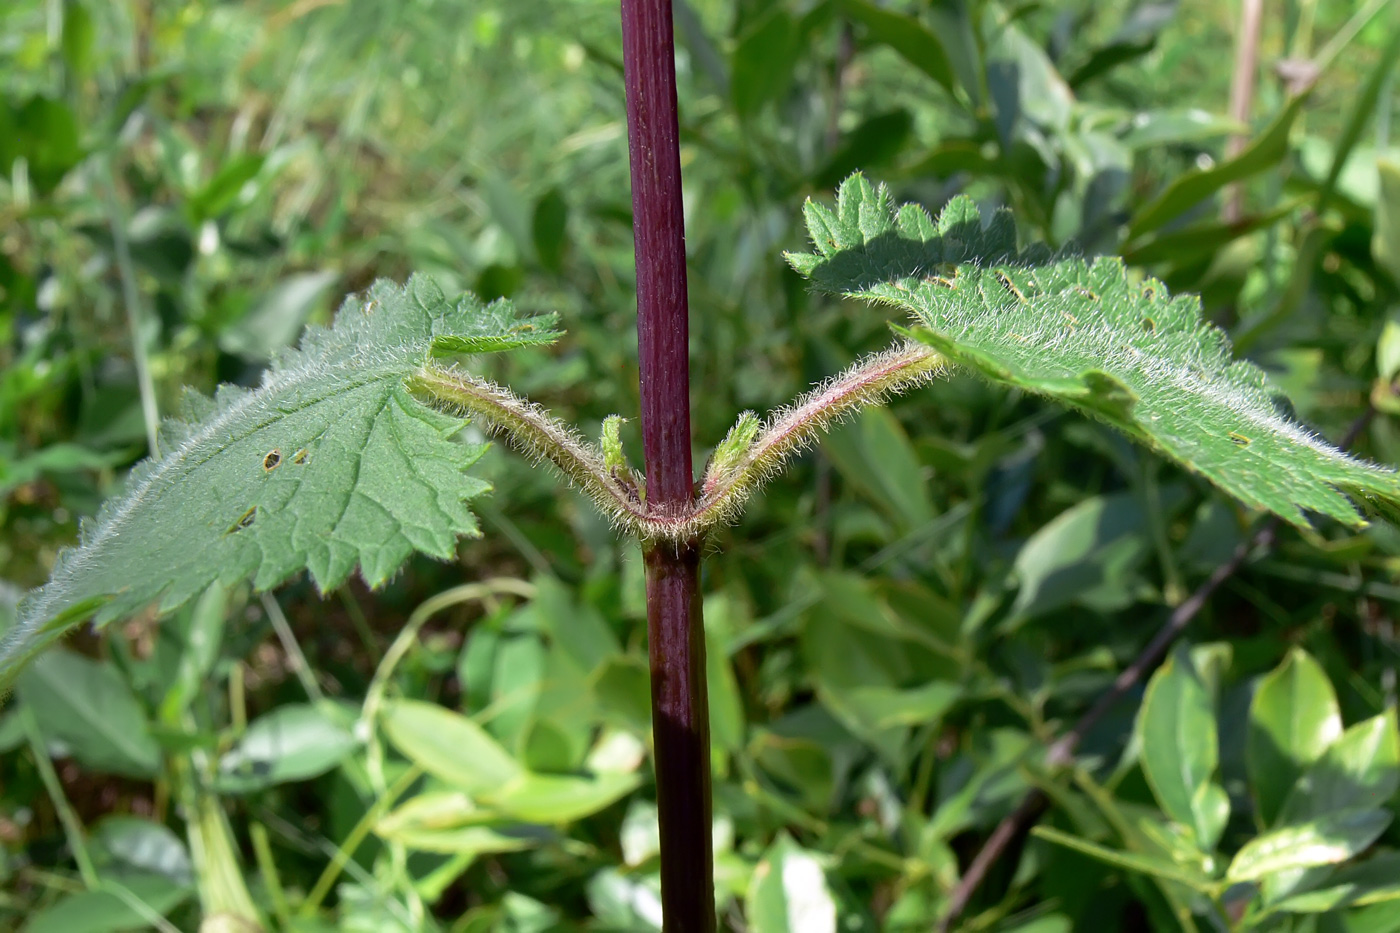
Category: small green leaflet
[1086,333]
[329,465]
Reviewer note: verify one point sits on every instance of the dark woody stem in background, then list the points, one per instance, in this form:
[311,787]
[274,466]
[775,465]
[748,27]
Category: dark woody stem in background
[680,715]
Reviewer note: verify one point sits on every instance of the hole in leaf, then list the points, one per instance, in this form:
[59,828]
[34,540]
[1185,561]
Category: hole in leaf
[1149,325]
[1010,286]
[300,456]
[244,520]
[273,458]
[1239,439]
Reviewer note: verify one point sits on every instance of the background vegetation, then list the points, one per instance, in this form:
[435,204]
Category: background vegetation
[900,627]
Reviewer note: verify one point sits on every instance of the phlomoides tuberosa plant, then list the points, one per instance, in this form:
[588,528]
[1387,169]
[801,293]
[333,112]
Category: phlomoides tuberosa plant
[347,456]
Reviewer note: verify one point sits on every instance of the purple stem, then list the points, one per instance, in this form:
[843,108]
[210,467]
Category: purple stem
[680,713]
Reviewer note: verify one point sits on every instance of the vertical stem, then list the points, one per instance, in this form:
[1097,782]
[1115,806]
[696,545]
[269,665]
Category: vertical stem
[680,714]
[1242,94]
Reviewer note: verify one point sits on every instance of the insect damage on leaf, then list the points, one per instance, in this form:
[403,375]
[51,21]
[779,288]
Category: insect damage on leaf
[1086,333]
[373,474]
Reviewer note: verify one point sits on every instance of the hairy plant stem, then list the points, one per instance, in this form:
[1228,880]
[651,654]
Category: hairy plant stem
[675,624]
[728,482]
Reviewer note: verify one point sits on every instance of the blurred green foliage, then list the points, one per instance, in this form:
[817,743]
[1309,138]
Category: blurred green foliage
[900,626]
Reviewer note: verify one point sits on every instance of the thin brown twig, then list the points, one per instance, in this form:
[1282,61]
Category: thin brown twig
[1242,94]
[1015,825]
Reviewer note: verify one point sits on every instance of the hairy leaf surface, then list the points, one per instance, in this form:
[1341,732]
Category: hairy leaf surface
[1089,334]
[329,465]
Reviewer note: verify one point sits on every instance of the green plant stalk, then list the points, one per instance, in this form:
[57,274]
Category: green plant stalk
[223,893]
[72,826]
[135,308]
[752,454]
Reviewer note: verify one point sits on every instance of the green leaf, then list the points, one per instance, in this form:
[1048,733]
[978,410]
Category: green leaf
[449,746]
[1176,727]
[1326,841]
[1088,554]
[549,228]
[875,142]
[1264,152]
[560,798]
[278,317]
[1293,718]
[874,454]
[135,843]
[225,187]
[1374,881]
[915,42]
[87,705]
[1132,861]
[456,750]
[449,822]
[1385,242]
[764,60]
[1359,770]
[292,743]
[1388,346]
[1087,335]
[78,38]
[330,464]
[789,893]
[105,911]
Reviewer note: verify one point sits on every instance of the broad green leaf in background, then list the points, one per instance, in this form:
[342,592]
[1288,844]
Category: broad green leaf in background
[278,317]
[105,911]
[874,455]
[919,45]
[88,706]
[1177,731]
[449,746]
[450,823]
[456,750]
[1293,718]
[1361,769]
[1373,881]
[1086,334]
[329,464]
[292,743]
[762,64]
[1264,152]
[1324,841]
[789,893]
[1088,554]
[131,843]
[1385,242]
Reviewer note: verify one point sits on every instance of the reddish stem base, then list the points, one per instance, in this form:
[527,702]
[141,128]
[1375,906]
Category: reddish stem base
[681,731]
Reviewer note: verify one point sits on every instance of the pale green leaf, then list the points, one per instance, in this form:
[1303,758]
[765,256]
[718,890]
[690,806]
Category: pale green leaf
[789,893]
[1385,242]
[1325,841]
[122,904]
[1090,335]
[560,798]
[1293,718]
[88,706]
[1177,729]
[449,746]
[1374,881]
[1359,769]
[330,464]
[292,743]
